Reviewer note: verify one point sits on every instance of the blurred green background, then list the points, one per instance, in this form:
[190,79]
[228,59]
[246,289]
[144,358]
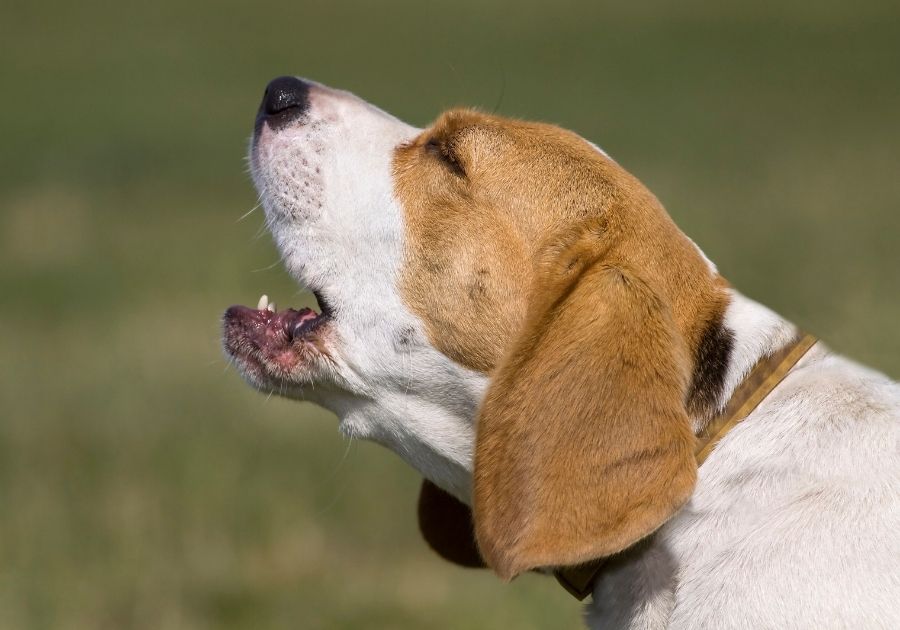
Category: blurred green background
[143,485]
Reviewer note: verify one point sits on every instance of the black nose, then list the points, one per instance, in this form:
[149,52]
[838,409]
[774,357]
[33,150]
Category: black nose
[285,100]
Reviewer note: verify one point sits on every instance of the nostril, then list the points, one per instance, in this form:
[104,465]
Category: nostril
[285,93]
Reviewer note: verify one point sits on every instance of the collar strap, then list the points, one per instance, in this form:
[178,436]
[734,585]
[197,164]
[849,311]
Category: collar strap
[759,383]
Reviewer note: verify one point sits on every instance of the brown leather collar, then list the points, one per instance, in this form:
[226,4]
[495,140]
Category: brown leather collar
[759,383]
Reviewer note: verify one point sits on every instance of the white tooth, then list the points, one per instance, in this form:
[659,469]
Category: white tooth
[271,306]
[263,302]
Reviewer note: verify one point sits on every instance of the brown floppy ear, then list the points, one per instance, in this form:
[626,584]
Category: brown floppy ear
[583,442]
[446,525]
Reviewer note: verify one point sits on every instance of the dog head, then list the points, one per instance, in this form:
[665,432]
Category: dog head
[502,304]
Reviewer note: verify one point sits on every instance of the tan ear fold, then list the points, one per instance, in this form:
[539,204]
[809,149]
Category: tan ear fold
[446,525]
[584,445]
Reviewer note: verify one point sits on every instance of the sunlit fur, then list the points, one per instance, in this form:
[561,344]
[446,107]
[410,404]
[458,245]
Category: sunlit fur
[518,318]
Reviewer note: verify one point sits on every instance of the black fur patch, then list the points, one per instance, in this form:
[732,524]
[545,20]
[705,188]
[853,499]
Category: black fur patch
[710,367]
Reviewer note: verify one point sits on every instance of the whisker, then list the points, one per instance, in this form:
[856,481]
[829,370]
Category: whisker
[502,90]
[249,212]
[337,496]
[268,267]
[340,463]
[262,231]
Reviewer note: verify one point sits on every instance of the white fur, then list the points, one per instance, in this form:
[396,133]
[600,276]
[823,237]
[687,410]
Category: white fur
[795,522]
[326,188]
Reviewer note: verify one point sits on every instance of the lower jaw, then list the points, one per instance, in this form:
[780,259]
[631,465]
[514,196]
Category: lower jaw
[275,349]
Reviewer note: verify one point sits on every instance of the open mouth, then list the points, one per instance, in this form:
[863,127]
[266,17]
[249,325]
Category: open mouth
[268,342]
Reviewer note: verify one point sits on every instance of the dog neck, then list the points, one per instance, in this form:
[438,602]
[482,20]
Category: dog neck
[756,332]
[755,384]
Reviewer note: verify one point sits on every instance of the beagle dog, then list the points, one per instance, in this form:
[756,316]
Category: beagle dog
[515,315]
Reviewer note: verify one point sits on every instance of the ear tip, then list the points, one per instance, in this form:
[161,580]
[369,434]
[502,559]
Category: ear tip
[507,566]
[529,550]
[501,556]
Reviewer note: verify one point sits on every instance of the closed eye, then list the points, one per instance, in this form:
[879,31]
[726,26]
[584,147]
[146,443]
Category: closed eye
[444,153]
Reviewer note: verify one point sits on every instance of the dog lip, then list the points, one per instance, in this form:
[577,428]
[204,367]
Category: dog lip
[299,323]
[272,340]
[263,322]
[324,305]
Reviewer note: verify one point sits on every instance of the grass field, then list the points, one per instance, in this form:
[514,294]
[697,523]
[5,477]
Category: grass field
[142,485]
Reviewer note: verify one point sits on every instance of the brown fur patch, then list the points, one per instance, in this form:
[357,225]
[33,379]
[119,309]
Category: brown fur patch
[584,446]
[535,258]
[482,195]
